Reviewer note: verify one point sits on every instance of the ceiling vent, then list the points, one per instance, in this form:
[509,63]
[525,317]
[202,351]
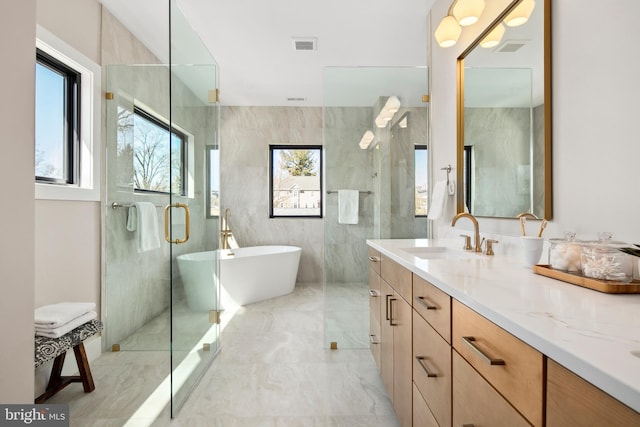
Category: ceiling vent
[511,46]
[305,43]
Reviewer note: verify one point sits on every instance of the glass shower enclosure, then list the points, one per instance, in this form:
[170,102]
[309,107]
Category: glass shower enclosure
[382,153]
[161,125]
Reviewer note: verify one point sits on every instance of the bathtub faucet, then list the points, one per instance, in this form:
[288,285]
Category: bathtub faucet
[225,230]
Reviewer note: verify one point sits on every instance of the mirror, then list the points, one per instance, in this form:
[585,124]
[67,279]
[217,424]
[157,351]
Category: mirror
[504,119]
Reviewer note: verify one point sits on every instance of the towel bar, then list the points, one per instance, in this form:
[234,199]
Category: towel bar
[361,191]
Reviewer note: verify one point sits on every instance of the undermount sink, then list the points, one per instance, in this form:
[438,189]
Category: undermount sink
[438,252]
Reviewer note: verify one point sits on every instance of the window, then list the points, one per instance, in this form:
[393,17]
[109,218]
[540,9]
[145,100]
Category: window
[67,120]
[421,181]
[468,182]
[213,193]
[158,152]
[57,121]
[295,181]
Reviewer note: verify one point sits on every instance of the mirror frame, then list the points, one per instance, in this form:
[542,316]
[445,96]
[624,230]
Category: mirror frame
[548,189]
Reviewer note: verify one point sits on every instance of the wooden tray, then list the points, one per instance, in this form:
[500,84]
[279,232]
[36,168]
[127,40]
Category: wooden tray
[586,282]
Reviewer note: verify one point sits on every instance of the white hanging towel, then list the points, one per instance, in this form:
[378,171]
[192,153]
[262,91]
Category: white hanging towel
[143,219]
[438,199]
[348,206]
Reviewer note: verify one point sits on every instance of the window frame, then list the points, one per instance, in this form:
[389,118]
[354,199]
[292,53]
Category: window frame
[468,183]
[184,152]
[72,118]
[88,183]
[272,149]
[423,147]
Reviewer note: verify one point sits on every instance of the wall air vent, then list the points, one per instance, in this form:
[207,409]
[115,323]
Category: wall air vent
[510,46]
[305,43]
[292,99]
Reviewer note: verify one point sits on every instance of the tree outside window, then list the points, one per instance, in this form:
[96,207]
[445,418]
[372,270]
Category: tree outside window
[296,182]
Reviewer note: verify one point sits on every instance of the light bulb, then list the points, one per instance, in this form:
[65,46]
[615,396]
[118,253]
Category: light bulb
[448,31]
[520,14]
[467,12]
[493,38]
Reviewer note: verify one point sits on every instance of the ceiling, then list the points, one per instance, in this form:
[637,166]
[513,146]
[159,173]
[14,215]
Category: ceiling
[252,43]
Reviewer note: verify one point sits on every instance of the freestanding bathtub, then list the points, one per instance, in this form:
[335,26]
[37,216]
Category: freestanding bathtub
[247,275]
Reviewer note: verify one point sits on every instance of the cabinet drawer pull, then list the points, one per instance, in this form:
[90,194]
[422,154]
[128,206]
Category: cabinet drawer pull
[425,302]
[373,293]
[373,339]
[468,425]
[421,361]
[391,311]
[469,341]
[374,259]
[386,307]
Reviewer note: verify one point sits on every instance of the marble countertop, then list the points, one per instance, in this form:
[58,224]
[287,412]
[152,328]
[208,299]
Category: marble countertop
[595,335]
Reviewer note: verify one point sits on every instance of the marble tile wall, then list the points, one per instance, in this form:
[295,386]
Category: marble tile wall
[348,167]
[505,158]
[403,222]
[245,135]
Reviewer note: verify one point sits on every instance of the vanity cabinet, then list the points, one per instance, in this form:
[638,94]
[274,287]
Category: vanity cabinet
[392,323]
[431,352]
[374,304]
[573,402]
[476,402]
[511,366]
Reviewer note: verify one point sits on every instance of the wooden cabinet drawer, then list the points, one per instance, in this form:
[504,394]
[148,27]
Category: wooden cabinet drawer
[374,260]
[397,276]
[514,368]
[422,416]
[434,305]
[572,401]
[475,402]
[432,369]
[374,295]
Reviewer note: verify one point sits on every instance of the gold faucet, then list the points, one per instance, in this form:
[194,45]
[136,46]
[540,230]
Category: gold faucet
[225,231]
[477,243]
[526,215]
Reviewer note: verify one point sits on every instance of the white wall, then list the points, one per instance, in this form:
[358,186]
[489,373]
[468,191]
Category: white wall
[67,242]
[596,151]
[67,233]
[17,36]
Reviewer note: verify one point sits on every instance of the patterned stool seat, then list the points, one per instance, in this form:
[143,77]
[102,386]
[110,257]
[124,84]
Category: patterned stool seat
[56,348]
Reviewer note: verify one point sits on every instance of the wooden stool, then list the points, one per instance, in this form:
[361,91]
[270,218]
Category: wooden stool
[56,348]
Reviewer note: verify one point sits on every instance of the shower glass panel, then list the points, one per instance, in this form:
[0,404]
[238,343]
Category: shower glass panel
[161,121]
[384,173]
[194,299]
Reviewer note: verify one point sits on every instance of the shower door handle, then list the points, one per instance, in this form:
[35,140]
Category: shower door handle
[167,221]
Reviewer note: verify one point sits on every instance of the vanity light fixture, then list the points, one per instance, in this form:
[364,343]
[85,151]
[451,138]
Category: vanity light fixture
[366,140]
[391,106]
[467,12]
[493,38]
[448,32]
[461,13]
[520,14]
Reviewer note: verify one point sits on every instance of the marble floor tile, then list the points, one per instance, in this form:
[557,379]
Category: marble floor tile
[273,370]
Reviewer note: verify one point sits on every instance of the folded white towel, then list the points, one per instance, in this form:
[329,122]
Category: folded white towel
[438,199]
[67,327]
[348,206]
[143,219]
[54,315]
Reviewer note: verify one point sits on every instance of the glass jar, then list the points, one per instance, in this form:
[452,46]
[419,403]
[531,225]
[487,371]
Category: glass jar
[604,261]
[565,254]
